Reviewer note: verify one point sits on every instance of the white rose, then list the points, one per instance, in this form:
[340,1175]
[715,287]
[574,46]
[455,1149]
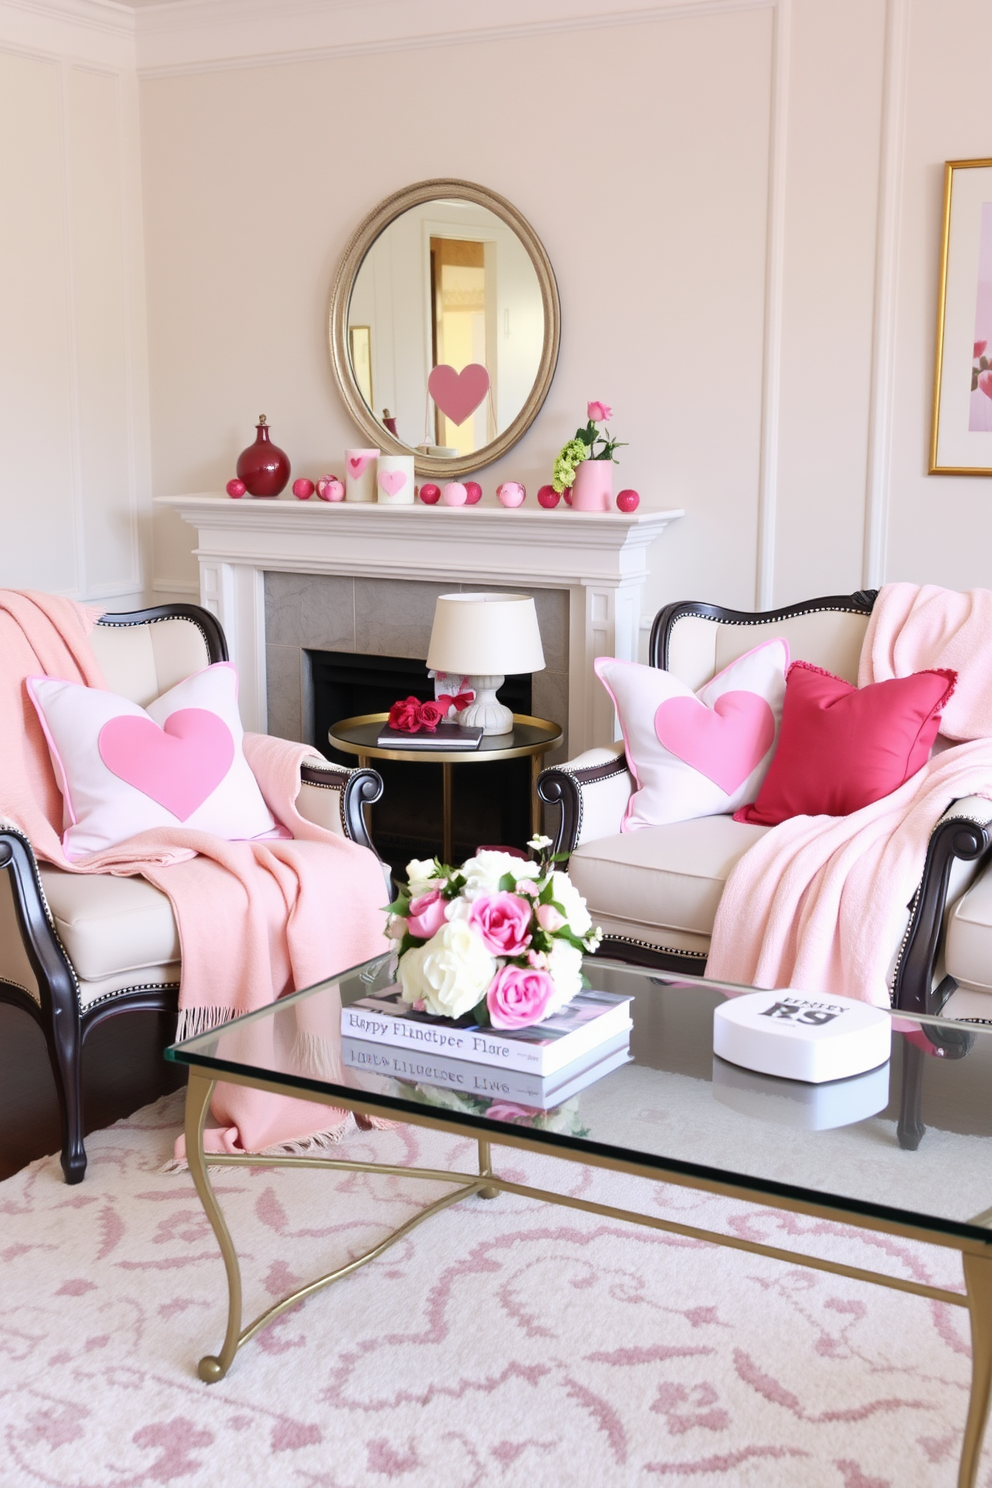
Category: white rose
[483,872]
[565,893]
[450,973]
[565,970]
[420,875]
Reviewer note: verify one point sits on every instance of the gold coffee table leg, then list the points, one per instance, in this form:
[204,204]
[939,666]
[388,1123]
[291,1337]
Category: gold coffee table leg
[485,1171]
[201,1087]
[978,1276]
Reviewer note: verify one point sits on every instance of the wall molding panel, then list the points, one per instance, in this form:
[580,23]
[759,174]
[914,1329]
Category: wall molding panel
[80,381]
[893,145]
[771,390]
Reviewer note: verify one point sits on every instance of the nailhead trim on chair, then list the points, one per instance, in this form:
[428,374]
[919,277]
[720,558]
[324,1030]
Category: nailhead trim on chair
[157,620]
[581,784]
[326,785]
[50,918]
[138,987]
[652,945]
[19,987]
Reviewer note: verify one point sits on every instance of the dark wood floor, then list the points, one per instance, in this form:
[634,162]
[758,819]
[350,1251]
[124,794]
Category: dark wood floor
[123,1069]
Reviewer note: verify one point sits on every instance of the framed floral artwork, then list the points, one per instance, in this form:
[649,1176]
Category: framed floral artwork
[961,436]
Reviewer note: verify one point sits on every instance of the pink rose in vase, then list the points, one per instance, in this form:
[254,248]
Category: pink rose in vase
[518,996]
[507,1111]
[598,412]
[502,921]
[428,912]
[549,918]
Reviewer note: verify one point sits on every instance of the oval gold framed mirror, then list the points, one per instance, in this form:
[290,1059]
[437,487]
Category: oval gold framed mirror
[445,326]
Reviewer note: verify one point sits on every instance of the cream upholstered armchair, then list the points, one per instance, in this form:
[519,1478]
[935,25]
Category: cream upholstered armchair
[655,891]
[76,949]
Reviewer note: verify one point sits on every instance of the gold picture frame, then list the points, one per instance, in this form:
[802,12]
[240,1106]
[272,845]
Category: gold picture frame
[961,428]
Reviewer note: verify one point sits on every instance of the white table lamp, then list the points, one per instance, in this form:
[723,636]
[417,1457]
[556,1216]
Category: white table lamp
[484,637]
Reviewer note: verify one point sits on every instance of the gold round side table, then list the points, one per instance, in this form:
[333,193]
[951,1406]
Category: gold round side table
[529,736]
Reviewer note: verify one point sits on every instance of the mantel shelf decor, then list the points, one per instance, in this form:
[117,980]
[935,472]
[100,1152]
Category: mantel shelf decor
[597,561]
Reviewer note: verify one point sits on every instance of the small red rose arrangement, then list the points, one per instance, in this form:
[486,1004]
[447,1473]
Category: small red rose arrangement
[410,715]
[500,938]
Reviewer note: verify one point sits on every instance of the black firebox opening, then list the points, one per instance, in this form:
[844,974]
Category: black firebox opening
[491,800]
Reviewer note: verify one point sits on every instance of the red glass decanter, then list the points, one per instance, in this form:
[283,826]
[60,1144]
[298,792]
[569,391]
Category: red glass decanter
[263,466]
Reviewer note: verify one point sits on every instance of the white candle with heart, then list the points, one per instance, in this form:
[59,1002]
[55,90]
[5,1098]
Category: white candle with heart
[394,480]
[359,474]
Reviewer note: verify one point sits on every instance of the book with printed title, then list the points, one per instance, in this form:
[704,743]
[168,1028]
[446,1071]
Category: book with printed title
[582,1025]
[483,1081]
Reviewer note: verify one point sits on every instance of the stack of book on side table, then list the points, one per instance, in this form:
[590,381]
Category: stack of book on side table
[540,1066]
[445,736]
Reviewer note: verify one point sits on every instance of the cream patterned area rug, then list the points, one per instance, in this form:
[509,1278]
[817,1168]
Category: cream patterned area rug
[505,1344]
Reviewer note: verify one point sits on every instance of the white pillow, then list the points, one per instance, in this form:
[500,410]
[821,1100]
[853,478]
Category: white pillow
[697,753]
[123,769]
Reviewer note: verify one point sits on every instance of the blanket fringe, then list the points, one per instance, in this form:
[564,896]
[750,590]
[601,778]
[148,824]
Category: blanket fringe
[195,1021]
[315,1146]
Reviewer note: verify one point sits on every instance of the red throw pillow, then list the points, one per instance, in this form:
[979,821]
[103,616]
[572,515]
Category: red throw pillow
[842,747]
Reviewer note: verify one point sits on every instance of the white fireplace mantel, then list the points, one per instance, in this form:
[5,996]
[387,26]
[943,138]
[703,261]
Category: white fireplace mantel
[600,558]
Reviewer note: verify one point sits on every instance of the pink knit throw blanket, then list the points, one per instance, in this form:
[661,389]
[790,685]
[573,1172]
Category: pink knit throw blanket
[819,903]
[256,919]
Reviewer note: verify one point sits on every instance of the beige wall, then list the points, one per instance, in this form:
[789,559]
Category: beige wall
[74,468]
[741,201]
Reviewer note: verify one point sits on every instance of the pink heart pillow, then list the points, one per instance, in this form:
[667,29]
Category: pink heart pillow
[123,769]
[697,753]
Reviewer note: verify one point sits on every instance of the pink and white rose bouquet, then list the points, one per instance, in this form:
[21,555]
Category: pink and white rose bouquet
[501,938]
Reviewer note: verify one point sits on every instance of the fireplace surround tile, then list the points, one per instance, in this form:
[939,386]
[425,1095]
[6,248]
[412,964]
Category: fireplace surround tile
[394,617]
[316,610]
[382,617]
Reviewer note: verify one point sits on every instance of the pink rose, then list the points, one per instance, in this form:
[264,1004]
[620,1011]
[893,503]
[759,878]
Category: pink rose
[507,1111]
[985,383]
[979,348]
[549,919]
[502,921]
[428,913]
[527,886]
[518,996]
[537,959]
[599,412]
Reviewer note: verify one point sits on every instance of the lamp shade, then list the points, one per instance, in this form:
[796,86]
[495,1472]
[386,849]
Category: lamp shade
[485,634]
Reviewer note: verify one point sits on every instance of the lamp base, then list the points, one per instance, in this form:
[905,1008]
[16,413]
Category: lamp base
[487,713]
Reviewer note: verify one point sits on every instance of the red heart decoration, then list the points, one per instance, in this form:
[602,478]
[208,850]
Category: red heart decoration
[458,394]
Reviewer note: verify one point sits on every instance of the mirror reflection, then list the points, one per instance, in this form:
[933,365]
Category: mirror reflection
[446,328]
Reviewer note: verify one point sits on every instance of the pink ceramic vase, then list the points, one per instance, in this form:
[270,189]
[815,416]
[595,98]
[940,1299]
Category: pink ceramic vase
[592,489]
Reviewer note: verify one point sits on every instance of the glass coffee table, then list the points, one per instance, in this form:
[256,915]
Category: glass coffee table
[855,1151]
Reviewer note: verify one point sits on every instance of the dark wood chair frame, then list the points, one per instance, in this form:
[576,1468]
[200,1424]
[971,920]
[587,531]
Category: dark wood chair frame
[953,838]
[64,1023]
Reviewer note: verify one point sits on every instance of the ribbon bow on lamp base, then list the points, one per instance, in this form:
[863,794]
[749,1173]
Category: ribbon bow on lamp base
[483,637]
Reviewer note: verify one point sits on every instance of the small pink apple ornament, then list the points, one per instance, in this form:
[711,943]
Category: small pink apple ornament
[628,501]
[548,497]
[474,493]
[236,488]
[303,489]
[430,494]
[511,493]
[329,488]
[454,494]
